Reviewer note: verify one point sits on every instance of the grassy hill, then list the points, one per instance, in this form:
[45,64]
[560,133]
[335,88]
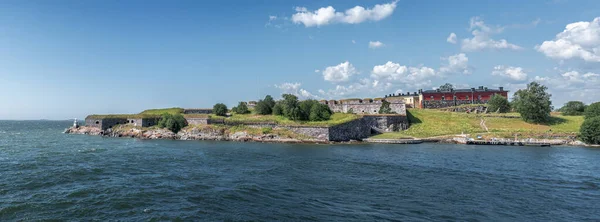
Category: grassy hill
[430,123]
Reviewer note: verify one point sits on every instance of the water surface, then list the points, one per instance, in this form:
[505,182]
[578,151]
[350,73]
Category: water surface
[45,174]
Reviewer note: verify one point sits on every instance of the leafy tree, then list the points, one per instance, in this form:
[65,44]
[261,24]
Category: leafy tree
[278,109]
[573,108]
[590,130]
[305,108]
[172,122]
[289,104]
[220,109]
[498,103]
[446,87]
[533,103]
[269,101]
[265,106]
[592,110]
[385,108]
[241,108]
[320,112]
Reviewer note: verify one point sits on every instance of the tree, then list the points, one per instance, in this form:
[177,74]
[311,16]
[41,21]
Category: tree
[220,109]
[590,130]
[573,108]
[278,109]
[320,112]
[446,87]
[265,106]
[241,108]
[385,108]
[592,110]
[289,104]
[306,107]
[533,103]
[172,122]
[498,103]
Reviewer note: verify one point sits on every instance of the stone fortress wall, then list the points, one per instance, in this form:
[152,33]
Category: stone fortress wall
[370,122]
[365,106]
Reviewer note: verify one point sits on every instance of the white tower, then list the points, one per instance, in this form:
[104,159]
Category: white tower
[75,123]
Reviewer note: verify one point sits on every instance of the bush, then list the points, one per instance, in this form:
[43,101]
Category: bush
[573,108]
[593,110]
[533,103]
[266,130]
[385,108]
[289,104]
[220,109]
[242,108]
[277,109]
[350,111]
[174,122]
[320,112]
[498,103]
[590,130]
[265,107]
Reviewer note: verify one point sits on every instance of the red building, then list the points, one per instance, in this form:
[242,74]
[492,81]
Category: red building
[454,97]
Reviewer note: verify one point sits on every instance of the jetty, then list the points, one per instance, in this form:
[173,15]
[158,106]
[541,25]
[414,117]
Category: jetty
[394,141]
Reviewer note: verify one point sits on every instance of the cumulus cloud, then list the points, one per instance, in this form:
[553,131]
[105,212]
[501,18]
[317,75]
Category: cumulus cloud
[339,73]
[578,40]
[513,73]
[572,85]
[272,17]
[451,38]
[376,44]
[458,63]
[329,15]
[294,89]
[395,72]
[482,40]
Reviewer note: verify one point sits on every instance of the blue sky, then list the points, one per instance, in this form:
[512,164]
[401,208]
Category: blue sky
[66,59]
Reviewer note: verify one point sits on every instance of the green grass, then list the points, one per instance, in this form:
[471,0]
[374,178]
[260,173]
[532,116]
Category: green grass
[429,123]
[173,110]
[122,116]
[336,118]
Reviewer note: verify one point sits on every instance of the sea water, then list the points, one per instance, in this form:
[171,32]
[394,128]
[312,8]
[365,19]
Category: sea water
[47,175]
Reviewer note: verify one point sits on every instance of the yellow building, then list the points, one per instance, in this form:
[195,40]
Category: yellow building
[411,100]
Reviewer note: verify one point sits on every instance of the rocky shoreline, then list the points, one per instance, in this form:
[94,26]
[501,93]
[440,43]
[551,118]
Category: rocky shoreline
[193,133]
[222,134]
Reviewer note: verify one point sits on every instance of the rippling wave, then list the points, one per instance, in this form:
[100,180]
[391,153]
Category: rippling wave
[46,175]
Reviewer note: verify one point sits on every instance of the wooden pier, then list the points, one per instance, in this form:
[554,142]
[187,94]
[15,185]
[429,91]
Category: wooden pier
[506,143]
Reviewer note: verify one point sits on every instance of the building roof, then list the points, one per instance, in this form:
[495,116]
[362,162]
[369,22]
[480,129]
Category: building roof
[480,89]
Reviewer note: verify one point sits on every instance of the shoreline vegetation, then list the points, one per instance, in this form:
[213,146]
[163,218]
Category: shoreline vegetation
[425,127]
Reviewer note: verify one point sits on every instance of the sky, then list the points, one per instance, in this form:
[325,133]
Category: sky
[69,58]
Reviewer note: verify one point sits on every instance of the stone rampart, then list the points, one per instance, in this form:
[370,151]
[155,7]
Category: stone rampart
[364,106]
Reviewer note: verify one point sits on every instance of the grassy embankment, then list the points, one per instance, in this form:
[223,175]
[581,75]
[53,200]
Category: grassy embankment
[336,118]
[430,123]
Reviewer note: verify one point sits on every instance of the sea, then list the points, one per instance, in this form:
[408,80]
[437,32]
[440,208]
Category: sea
[46,175]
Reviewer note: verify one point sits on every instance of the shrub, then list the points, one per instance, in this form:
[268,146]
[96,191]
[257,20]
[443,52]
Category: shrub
[533,103]
[220,109]
[266,130]
[289,104]
[385,108]
[498,103]
[593,110]
[590,130]
[320,112]
[573,108]
[242,108]
[265,106]
[277,109]
[172,122]
[350,111]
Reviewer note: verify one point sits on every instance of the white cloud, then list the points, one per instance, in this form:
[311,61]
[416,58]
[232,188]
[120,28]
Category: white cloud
[339,73]
[513,73]
[353,42]
[328,15]
[272,17]
[395,72]
[458,63]
[376,44]
[451,38]
[578,40]
[572,85]
[316,70]
[294,89]
[482,37]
